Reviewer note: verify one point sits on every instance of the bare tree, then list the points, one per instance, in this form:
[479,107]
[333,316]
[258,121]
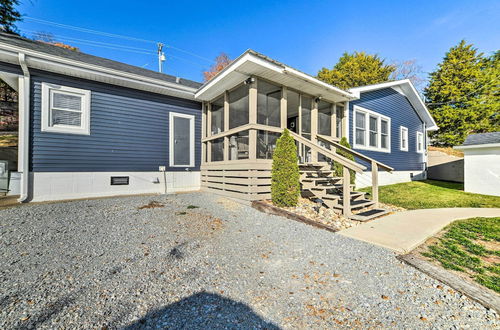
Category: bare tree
[408,69]
[221,62]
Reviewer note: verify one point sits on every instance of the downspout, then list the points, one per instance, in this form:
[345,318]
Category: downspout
[24,136]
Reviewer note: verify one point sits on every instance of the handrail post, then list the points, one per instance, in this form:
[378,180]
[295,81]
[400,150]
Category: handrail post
[375,183]
[346,193]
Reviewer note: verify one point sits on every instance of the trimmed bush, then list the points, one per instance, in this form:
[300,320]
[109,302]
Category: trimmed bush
[338,169]
[285,176]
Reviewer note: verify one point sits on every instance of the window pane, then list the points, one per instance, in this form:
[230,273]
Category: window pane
[238,106]
[292,106]
[360,136]
[306,114]
[384,140]
[268,104]
[324,118]
[217,150]
[384,126]
[360,120]
[67,101]
[373,131]
[217,116]
[238,146]
[266,143]
[338,124]
[62,117]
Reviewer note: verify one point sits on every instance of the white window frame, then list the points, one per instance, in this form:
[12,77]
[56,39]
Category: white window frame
[367,113]
[46,125]
[420,138]
[405,130]
[171,138]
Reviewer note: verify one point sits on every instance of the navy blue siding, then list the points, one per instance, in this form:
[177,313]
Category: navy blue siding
[129,130]
[396,106]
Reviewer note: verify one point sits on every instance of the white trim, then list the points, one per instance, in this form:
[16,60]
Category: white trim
[420,135]
[379,117]
[24,128]
[401,129]
[478,146]
[46,125]
[409,91]
[171,139]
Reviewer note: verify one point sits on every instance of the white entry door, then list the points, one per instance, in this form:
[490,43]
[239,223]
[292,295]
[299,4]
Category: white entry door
[181,140]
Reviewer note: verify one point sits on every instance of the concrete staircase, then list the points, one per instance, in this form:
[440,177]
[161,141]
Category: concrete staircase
[319,183]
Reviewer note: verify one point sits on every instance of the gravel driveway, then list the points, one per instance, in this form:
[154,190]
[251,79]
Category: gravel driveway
[109,263]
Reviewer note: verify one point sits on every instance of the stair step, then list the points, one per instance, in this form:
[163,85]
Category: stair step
[315,171]
[357,204]
[369,215]
[321,179]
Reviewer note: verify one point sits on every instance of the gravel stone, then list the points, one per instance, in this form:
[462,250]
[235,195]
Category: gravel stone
[108,263]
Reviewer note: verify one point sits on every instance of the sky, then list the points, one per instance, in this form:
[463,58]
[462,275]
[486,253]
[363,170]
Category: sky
[307,35]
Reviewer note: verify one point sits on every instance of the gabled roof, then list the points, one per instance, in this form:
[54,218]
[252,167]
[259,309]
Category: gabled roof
[52,58]
[407,88]
[253,63]
[481,140]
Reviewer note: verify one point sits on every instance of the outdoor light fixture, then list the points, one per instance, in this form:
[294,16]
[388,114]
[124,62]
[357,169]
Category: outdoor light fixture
[249,81]
[318,99]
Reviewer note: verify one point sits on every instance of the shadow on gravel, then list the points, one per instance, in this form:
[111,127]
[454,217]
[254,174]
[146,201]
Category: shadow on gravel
[203,310]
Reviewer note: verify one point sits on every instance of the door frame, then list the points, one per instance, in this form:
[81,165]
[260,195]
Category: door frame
[191,118]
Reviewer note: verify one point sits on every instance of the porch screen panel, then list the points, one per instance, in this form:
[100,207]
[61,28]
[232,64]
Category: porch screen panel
[217,116]
[266,143]
[217,150]
[339,111]
[268,104]
[238,146]
[324,118]
[306,103]
[292,109]
[238,106]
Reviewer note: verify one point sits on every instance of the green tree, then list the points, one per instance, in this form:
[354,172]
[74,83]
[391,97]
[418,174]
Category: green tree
[338,169]
[463,94]
[285,176]
[9,15]
[357,69]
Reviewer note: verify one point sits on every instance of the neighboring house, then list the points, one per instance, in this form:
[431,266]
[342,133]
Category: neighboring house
[482,163]
[93,127]
[389,122]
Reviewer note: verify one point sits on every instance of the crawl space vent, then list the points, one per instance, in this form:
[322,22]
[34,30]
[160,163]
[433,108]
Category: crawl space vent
[119,180]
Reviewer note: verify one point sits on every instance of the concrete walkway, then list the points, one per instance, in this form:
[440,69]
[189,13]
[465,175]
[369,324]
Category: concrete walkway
[404,231]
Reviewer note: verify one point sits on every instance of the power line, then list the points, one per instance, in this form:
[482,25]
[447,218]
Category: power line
[112,35]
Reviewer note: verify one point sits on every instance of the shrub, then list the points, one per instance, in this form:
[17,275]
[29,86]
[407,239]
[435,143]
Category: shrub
[285,176]
[338,169]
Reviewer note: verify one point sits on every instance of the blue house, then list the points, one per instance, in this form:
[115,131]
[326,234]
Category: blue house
[91,127]
[389,123]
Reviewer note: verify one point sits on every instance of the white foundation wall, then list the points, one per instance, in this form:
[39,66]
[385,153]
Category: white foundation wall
[482,171]
[49,186]
[14,184]
[386,178]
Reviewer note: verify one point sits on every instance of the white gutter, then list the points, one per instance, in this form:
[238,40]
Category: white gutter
[24,127]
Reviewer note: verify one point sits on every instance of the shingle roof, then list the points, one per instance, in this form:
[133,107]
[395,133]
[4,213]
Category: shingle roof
[91,59]
[482,138]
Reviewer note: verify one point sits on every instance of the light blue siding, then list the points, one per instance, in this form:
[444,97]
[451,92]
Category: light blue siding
[129,131]
[390,103]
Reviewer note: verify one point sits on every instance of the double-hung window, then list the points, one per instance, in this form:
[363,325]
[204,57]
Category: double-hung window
[65,109]
[403,138]
[371,130]
[420,142]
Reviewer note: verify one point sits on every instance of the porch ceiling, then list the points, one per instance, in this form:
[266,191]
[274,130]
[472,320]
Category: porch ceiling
[254,64]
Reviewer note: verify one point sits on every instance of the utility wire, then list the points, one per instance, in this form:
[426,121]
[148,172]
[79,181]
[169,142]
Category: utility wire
[112,35]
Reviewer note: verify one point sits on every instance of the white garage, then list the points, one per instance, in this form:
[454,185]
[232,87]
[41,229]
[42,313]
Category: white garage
[482,163]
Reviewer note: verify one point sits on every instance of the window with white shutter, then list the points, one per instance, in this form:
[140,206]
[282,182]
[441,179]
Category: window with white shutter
[65,109]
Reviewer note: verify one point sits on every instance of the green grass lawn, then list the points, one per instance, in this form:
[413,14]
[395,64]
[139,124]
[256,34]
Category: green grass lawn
[432,194]
[471,246]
